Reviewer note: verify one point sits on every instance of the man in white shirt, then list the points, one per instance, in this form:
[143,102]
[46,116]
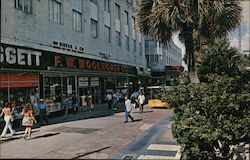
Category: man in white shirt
[141,99]
[109,100]
[128,109]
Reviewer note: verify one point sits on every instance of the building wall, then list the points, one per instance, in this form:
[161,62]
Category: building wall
[36,30]
[159,56]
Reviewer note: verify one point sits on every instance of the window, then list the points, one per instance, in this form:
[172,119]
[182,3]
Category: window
[134,45]
[107,33]
[147,58]
[117,11]
[152,58]
[118,38]
[133,23]
[94,1]
[24,5]
[55,8]
[156,58]
[106,6]
[94,28]
[77,21]
[127,42]
[140,48]
[126,17]
[77,15]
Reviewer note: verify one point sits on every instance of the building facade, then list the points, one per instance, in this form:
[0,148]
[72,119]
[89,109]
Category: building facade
[165,62]
[51,48]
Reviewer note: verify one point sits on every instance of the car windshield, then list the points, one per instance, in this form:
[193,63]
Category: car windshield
[155,92]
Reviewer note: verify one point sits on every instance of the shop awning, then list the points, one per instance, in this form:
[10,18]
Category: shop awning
[11,80]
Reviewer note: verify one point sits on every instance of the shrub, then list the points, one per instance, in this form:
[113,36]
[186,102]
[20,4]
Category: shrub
[210,117]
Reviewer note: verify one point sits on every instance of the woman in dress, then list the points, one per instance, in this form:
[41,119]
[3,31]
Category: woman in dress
[7,112]
[28,120]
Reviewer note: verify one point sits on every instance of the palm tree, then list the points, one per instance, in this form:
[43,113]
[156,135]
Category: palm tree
[195,21]
[220,58]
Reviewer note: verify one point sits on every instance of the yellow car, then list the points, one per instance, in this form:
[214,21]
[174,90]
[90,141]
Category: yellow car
[156,103]
[153,101]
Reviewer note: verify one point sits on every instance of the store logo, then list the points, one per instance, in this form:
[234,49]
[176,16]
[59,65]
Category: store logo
[81,63]
[19,56]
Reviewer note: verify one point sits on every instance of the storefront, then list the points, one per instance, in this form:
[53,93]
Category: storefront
[173,73]
[49,75]
[17,87]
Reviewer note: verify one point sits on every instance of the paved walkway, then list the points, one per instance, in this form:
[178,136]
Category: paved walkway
[155,143]
[88,135]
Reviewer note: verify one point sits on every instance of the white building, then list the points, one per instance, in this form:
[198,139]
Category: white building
[163,61]
[58,47]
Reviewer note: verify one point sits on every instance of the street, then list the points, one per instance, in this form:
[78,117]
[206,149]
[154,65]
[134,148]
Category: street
[102,137]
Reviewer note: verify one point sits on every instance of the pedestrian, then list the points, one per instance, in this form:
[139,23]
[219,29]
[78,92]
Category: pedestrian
[128,109]
[28,120]
[66,106]
[43,106]
[109,100]
[34,104]
[7,113]
[114,101]
[90,102]
[141,100]
[75,104]
[84,100]
[134,101]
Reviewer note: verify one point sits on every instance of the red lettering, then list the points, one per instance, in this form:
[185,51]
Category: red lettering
[88,64]
[111,68]
[124,69]
[57,61]
[93,65]
[118,69]
[98,67]
[107,67]
[70,62]
[81,64]
[103,66]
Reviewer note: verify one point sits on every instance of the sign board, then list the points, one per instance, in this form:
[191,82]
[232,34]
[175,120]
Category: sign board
[69,89]
[83,81]
[94,81]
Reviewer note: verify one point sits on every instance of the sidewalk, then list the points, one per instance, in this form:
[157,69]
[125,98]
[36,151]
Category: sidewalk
[89,138]
[99,110]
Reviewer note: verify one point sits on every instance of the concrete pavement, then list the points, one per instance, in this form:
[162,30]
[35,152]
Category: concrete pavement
[92,135]
[155,143]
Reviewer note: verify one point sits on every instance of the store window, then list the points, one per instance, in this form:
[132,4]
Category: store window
[56,86]
[17,88]
[53,88]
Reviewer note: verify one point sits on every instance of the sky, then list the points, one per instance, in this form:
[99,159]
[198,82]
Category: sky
[233,36]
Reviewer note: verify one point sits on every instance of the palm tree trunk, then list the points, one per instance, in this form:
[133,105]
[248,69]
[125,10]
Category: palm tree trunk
[189,44]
